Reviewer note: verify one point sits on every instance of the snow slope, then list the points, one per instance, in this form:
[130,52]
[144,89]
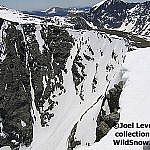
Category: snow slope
[16,16]
[134,101]
[71,106]
[95,50]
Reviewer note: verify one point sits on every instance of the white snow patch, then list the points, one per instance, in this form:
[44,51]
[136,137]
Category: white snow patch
[52,11]
[5,148]
[39,38]
[91,25]
[23,123]
[99,4]
[16,16]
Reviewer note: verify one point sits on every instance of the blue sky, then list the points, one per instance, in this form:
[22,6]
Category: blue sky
[44,4]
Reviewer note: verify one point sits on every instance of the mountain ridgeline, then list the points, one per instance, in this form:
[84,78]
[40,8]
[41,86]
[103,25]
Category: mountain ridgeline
[112,14]
[60,83]
[116,14]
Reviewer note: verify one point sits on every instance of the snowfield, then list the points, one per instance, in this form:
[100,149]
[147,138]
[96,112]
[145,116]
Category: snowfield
[134,101]
[16,16]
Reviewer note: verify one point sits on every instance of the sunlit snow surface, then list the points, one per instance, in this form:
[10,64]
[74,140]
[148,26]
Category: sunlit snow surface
[5,148]
[134,101]
[16,16]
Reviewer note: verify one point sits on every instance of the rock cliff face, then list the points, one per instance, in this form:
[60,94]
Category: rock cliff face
[28,74]
[15,87]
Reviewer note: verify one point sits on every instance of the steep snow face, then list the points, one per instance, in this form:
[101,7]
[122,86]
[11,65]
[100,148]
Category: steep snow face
[96,56]
[89,56]
[63,77]
[134,102]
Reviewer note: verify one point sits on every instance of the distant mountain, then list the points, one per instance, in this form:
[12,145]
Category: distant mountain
[51,12]
[79,10]
[57,11]
[120,15]
[111,13]
[35,13]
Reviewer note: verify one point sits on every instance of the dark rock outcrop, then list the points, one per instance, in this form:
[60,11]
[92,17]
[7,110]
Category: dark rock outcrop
[21,79]
[72,143]
[106,121]
[15,97]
